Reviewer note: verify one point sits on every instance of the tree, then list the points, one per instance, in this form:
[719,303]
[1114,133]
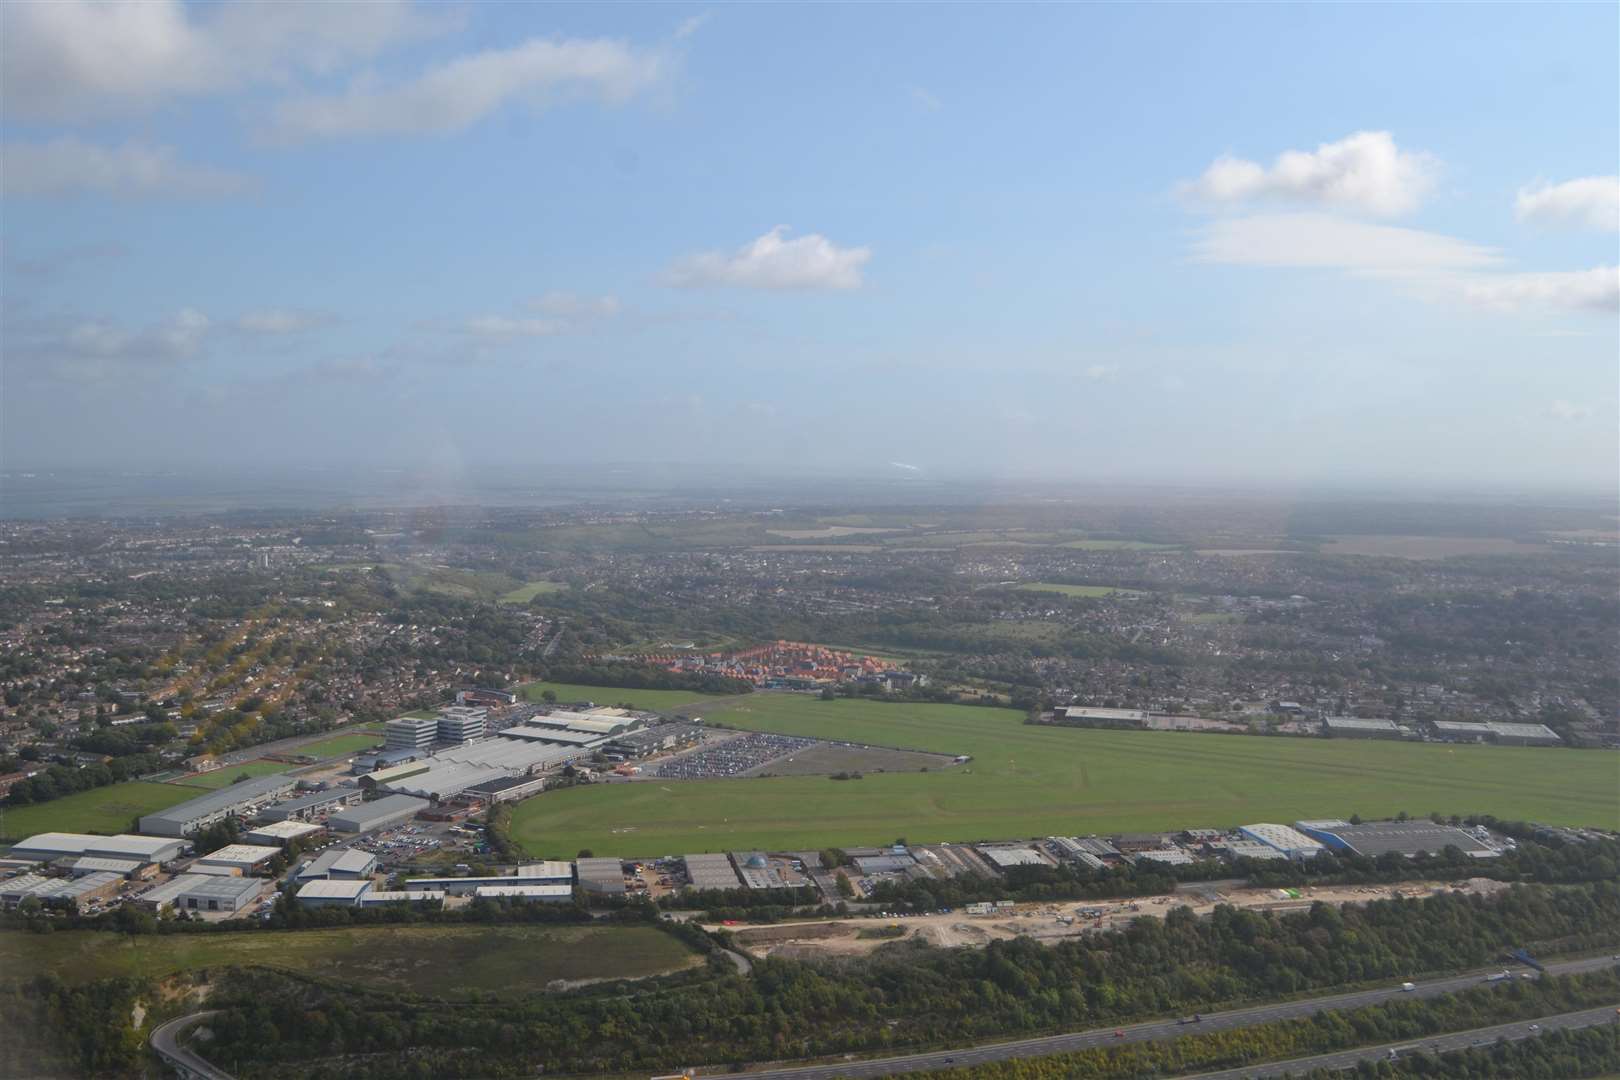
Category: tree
[549,697]
[845,889]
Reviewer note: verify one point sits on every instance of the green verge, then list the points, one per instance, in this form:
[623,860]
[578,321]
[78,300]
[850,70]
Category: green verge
[1028,780]
[215,779]
[524,593]
[340,744]
[614,695]
[434,960]
[1077,590]
[100,810]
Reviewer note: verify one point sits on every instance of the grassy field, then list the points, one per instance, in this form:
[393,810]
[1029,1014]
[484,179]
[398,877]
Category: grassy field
[341,744]
[1077,590]
[218,778]
[1037,781]
[100,810]
[524,593]
[614,695]
[436,960]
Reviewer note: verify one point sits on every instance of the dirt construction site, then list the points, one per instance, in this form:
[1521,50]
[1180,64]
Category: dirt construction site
[1051,921]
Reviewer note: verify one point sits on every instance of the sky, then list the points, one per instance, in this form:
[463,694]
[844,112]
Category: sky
[1257,243]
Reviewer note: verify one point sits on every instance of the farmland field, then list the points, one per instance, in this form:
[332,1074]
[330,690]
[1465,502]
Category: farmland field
[341,744]
[1077,590]
[436,960]
[218,778]
[107,809]
[614,695]
[1026,780]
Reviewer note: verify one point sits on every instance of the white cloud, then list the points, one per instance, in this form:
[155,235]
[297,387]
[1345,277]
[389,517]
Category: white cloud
[1327,241]
[276,321]
[71,60]
[775,262]
[568,305]
[1592,201]
[1597,289]
[71,166]
[502,328]
[455,95]
[925,99]
[1365,171]
[1566,410]
[1097,372]
[97,350]
[1430,265]
[692,25]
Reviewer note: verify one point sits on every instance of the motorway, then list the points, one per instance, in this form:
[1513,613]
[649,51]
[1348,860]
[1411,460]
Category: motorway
[1462,1040]
[165,1040]
[1154,1029]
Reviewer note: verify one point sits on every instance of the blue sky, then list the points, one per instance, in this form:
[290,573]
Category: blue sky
[1304,244]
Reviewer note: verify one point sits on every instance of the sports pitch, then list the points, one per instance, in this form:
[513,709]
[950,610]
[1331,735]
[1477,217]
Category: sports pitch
[435,960]
[1026,781]
[110,809]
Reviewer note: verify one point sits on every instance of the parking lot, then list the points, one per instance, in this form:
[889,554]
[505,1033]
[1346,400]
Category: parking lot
[733,757]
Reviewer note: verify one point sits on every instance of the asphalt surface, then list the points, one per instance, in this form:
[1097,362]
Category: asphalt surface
[1461,1040]
[165,1040]
[1160,1029]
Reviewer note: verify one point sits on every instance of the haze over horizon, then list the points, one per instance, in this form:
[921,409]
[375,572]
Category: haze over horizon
[1256,245]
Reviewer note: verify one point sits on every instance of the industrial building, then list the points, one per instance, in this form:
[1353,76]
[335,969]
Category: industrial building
[204,892]
[373,760]
[378,897]
[1168,856]
[1004,856]
[756,870]
[1128,843]
[507,789]
[1091,845]
[605,877]
[597,723]
[444,780]
[1112,717]
[327,893]
[339,864]
[59,892]
[315,806]
[461,723]
[550,894]
[128,869]
[653,740]
[410,733]
[711,872]
[243,858]
[53,845]
[241,799]
[549,874]
[281,832]
[1284,838]
[389,810]
[1351,727]
[1494,731]
[1408,838]
[1244,849]
[379,780]
[870,865]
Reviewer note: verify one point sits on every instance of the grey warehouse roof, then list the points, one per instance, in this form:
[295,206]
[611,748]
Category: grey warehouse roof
[252,790]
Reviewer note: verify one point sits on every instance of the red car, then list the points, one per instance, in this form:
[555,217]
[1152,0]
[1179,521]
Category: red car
[1119,1033]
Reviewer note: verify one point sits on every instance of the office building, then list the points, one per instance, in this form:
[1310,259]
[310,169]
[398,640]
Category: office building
[410,733]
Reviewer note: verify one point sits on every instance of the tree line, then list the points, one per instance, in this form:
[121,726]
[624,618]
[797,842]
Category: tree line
[905,995]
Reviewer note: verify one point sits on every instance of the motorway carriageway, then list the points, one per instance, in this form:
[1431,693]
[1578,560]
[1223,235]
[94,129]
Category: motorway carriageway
[1434,1044]
[1154,1030]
